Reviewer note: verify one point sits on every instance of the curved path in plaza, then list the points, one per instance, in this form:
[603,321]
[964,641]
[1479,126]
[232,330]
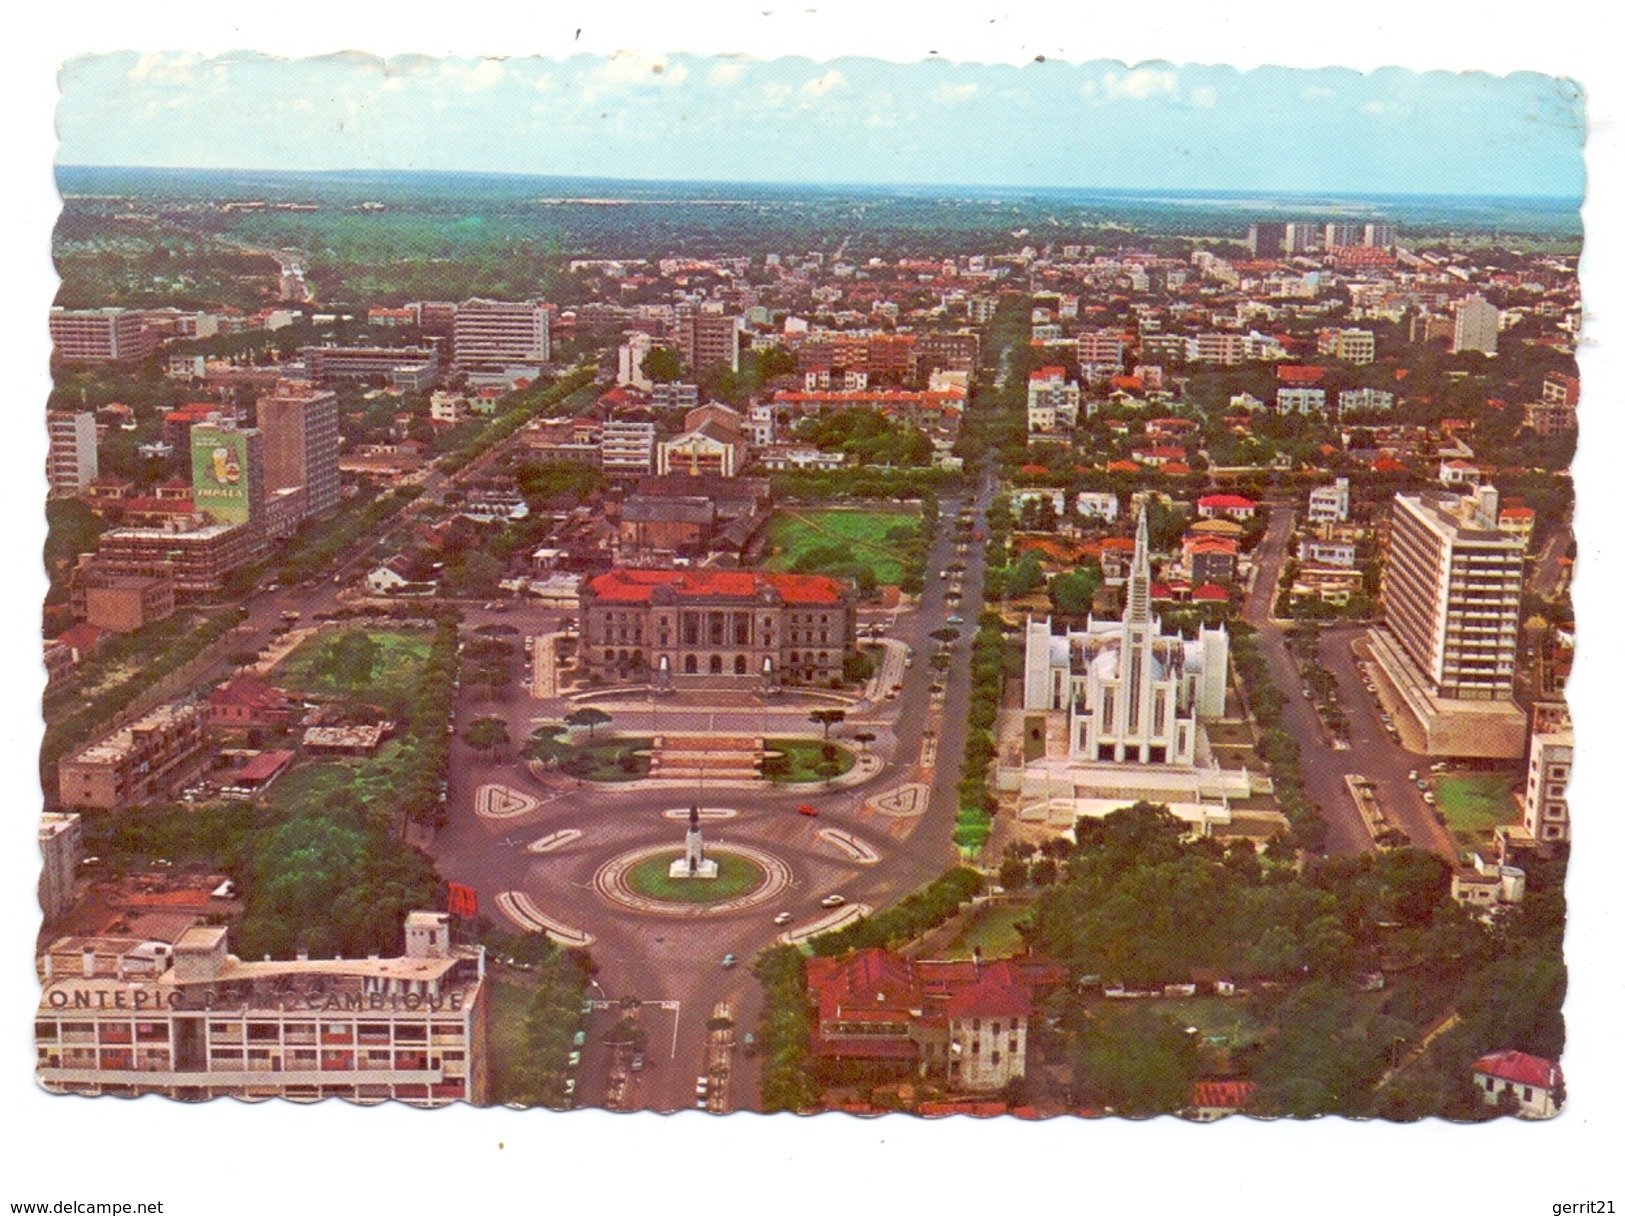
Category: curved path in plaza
[549,853]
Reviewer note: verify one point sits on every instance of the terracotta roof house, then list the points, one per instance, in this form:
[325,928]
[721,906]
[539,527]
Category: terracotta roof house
[1533,1083]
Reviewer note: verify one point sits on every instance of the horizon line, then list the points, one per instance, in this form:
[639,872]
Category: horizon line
[1575,199]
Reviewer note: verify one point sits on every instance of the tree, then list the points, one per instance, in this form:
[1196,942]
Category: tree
[827,718]
[1072,593]
[864,738]
[827,770]
[486,734]
[662,365]
[545,744]
[589,716]
[352,656]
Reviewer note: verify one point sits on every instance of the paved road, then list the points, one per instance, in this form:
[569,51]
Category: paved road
[1372,753]
[677,962]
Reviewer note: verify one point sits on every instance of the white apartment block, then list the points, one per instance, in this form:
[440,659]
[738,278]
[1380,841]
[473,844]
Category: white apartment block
[1300,401]
[498,333]
[1360,400]
[1098,504]
[1357,346]
[1478,324]
[70,464]
[1330,504]
[629,371]
[1545,797]
[627,447]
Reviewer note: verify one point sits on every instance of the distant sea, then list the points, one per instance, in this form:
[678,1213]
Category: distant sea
[1191,210]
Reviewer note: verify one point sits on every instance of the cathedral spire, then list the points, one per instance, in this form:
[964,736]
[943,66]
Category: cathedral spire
[1139,575]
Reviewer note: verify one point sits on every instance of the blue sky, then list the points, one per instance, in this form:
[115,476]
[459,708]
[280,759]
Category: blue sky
[1099,124]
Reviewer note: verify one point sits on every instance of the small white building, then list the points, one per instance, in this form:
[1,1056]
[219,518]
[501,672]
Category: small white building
[1098,504]
[1534,1083]
[1330,504]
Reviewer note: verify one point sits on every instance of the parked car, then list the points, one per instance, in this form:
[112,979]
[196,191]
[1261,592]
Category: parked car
[832,901]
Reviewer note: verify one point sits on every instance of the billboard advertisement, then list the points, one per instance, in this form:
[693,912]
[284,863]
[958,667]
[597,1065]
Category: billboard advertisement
[220,474]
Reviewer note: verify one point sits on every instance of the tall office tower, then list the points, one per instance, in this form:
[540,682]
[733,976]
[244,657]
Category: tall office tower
[498,333]
[300,427]
[100,335]
[228,472]
[71,463]
[707,336]
[1478,324]
[1451,590]
[1266,240]
[1341,236]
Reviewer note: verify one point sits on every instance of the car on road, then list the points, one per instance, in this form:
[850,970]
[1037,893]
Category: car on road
[637,1061]
[701,1085]
[729,959]
[783,918]
[1429,797]
[573,1060]
[1411,776]
[806,809]
[832,901]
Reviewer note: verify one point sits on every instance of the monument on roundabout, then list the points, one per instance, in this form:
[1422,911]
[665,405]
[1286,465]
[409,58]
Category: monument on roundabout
[693,863]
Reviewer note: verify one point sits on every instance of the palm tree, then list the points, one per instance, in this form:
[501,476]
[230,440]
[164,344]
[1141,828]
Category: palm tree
[589,716]
[827,718]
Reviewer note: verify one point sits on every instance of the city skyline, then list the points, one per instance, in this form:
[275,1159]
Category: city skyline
[848,122]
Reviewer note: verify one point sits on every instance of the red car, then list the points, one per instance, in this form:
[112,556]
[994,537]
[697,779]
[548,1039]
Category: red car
[807,810]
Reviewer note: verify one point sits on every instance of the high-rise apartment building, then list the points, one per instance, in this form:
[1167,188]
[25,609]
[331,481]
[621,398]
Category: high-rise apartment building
[1451,589]
[498,333]
[1381,236]
[100,335]
[706,337]
[70,465]
[1302,238]
[1478,324]
[1341,235]
[1266,240]
[300,430]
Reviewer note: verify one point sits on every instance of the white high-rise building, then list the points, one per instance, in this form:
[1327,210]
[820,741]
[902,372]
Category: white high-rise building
[632,353]
[1451,588]
[499,334]
[71,463]
[1478,324]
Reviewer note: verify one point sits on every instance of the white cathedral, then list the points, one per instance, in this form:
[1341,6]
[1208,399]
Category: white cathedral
[1134,702]
[1134,695]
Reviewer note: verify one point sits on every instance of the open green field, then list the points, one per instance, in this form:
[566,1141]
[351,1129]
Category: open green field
[802,758]
[877,538]
[735,876]
[378,666]
[992,927]
[1474,804]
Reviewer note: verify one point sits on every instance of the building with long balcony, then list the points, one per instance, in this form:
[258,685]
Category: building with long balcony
[1452,586]
[186,1019]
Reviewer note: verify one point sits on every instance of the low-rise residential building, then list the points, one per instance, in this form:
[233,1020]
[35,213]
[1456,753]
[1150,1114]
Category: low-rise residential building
[1099,505]
[627,449]
[1330,504]
[1533,1084]
[1357,346]
[1545,795]
[964,1024]
[149,758]
[1364,400]
[1300,401]
[1315,551]
[1229,506]
[121,599]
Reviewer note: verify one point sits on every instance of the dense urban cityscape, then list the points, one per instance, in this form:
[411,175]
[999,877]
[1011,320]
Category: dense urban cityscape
[739,648]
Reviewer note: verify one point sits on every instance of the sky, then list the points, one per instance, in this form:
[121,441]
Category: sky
[732,118]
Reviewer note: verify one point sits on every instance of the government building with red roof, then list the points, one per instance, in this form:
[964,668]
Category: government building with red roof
[717,628]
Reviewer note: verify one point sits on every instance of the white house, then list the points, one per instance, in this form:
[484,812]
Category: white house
[1098,504]
[1535,1084]
[1330,504]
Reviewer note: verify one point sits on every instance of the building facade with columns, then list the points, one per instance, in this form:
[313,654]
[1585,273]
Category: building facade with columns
[705,627]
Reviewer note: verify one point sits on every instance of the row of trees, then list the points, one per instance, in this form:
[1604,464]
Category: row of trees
[1276,744]
[521,406]
[974,821]
[919,911]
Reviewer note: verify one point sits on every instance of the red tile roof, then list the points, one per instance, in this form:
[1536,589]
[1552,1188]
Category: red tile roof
[1293,373]
[1211,593]
[1223,1095]
[263,766]
[1520,1068]
[636,586]
[1226,502]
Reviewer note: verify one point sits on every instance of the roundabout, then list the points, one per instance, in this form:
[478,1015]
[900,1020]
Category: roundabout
[639,881]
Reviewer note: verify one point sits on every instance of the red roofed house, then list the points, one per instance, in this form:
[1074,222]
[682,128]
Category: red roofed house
[1230,506]
[717,628]
[1297,373]
[244,702]
[1215,1099]
[962,1023]
[1535,1084]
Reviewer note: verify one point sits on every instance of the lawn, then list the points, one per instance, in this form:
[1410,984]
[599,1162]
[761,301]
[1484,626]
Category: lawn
[339,664]
[372,780]
[1473,804]
[505,1034]
[991,927]
[802,758]
[879,539]
[735,876]
[618,759]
